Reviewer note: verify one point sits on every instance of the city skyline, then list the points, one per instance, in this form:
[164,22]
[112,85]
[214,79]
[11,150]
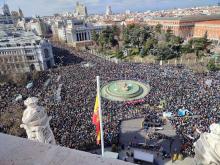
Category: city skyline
[49,7]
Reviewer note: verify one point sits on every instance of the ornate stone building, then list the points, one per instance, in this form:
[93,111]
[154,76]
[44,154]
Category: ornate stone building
[22,51]
[5,15]
[77,33]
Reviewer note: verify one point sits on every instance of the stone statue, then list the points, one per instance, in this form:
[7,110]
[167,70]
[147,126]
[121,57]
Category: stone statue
[36,122]
[207,148]
[123,86]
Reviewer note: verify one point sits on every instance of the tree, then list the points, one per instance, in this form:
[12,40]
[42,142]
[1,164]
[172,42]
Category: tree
[158,28]
[143,52]
[11,120]
[35,75]
[149,44]
[19,79]
[101,40]
[186,48]
[3,79]
[112,41]
[106,39]
[164,51]
[119,54]
[175,40]
[206,42]
[211,66]
[116,31]
[95,37]
[168,34]
[199,44]
[135,35]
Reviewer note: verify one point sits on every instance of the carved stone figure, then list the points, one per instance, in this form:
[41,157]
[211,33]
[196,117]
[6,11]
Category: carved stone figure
[123,86]
[207,148]
[36,122]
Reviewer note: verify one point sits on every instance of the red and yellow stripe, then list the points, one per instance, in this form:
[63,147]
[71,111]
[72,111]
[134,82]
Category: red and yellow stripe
[96,120]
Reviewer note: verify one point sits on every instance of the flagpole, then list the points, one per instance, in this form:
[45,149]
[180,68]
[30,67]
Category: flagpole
[100,114]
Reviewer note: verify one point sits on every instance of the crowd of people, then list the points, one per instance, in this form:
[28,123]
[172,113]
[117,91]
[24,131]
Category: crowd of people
[71,117]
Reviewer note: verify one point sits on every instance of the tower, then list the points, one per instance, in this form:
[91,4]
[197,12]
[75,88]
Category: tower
[21,13]
[6,10]
[108,10]
[81,10]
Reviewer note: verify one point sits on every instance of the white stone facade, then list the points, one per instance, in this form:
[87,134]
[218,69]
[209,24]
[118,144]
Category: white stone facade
[25,53]
[38,26]
[78,31]
[62,34]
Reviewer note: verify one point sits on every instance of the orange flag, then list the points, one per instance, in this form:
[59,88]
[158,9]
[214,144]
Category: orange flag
[96,120]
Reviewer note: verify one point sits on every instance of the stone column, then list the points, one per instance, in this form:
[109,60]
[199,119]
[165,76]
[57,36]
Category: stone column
[88,34]
[83,38]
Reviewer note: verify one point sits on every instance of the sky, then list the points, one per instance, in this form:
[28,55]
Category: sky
[49,7]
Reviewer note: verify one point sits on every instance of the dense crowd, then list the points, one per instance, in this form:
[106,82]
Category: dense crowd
[71,117]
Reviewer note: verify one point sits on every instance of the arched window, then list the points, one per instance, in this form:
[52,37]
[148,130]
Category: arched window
[32,67]
[46,53]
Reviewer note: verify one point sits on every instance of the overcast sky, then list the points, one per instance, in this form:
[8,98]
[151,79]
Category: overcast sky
[49,7]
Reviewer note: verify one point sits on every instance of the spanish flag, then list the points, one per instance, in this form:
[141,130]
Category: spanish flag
[96,120]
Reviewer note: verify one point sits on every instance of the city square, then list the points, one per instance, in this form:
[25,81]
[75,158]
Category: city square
[140,87]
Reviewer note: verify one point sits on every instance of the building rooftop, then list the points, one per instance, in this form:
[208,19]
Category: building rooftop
[191,18]
[214,22]
[18,38]
[20,151]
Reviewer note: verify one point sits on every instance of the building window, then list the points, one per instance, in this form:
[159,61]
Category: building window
[28,51]
[15,58]
[30,57]
[46,53]
[27,44]
[19,58]
[32,67]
